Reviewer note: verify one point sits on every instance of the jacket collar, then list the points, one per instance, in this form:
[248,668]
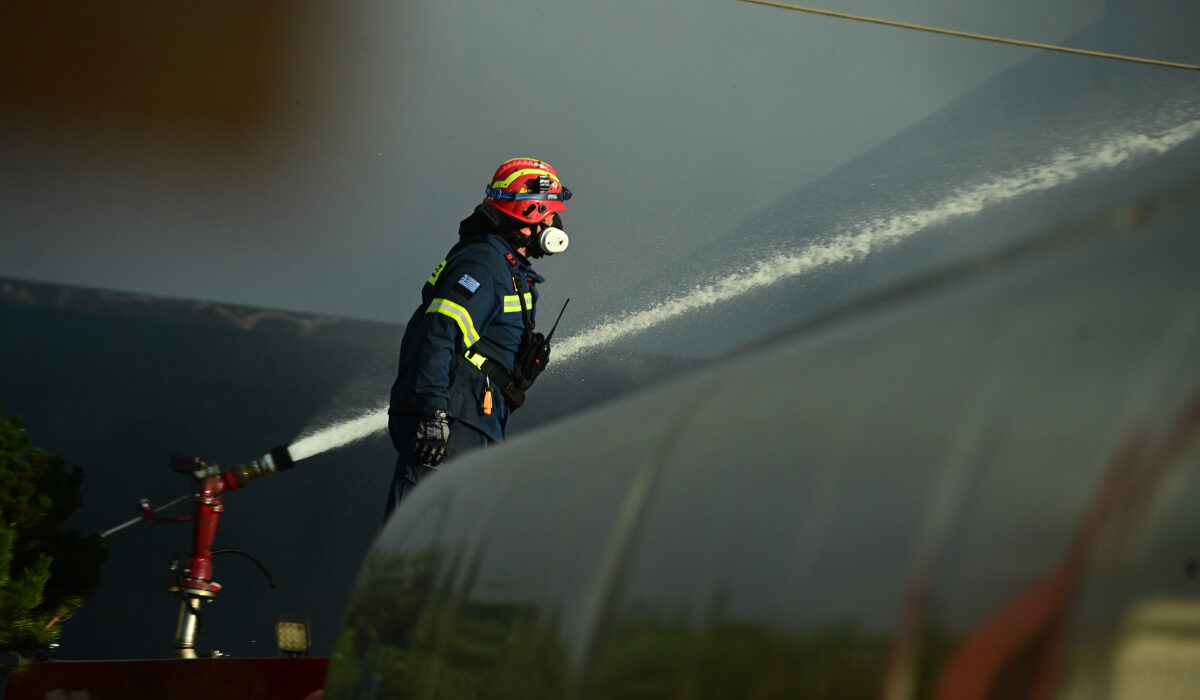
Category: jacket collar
[482,224]
[518,262]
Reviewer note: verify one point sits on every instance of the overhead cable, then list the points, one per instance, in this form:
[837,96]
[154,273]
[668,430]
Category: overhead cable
[972,35]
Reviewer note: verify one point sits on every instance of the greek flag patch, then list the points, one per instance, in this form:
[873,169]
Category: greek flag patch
[468,283]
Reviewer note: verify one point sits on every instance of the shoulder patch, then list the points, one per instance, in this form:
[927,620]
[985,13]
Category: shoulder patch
[469,283]
[437,273]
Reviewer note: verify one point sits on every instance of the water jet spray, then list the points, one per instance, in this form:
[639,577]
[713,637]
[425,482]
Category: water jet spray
[849,243]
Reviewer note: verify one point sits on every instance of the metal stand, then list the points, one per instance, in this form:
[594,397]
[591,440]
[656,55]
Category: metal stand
[193,583]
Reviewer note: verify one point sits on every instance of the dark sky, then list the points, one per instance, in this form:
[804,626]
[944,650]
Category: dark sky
[315,158]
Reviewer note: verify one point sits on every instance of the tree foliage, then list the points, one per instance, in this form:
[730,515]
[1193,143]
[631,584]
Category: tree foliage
[46,570]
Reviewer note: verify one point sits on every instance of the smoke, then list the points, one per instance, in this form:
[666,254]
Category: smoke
[852,243]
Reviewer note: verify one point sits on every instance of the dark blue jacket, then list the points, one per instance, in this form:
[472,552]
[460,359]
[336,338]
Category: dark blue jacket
[469,308]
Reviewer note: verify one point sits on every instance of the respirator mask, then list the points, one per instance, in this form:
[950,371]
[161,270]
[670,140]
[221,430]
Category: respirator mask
[549,240]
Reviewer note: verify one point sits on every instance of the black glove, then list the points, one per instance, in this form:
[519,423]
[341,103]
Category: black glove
[430,441]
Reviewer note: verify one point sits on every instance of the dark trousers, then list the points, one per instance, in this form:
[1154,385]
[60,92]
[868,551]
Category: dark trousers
[409,470]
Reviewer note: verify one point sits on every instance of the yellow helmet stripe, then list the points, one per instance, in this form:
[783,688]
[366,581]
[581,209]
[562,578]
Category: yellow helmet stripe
[460,316]
[501,184]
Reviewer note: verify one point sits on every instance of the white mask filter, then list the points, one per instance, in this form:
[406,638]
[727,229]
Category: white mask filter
[552,240]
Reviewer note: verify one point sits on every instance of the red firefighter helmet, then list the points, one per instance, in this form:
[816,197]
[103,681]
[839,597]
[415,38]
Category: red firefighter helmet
[526,189]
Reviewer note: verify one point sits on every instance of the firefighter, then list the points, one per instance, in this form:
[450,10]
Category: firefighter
[470,350]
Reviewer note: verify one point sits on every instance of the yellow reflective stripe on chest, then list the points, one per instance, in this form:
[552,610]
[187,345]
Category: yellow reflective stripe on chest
[437,273]
[513,303]
[460,316]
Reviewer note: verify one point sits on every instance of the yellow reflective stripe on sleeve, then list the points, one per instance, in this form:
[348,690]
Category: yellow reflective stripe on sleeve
[475,359]
[513,303]
[437,273]
[460,316]
[501,184]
